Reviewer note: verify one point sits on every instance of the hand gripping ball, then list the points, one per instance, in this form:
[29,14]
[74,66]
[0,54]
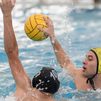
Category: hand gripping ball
[31,27]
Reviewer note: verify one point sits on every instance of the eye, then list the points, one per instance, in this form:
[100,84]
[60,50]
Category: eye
[90,58]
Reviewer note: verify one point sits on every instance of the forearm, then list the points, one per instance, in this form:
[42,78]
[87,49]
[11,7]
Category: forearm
[9,38]
[61,55]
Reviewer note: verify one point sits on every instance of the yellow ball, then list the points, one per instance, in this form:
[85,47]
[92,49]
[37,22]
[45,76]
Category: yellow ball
[31,25]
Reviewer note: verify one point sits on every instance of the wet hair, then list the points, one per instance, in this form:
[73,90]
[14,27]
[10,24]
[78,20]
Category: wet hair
[46,80]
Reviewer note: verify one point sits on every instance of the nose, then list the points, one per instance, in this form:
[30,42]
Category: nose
[84,61]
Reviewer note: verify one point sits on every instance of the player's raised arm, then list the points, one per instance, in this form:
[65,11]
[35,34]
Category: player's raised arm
[10,44]
[61,55]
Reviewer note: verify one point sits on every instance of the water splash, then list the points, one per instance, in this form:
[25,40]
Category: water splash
[28,48]
[8,98]
[68,30]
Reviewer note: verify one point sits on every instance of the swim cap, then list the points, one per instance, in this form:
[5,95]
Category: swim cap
[97,52]
[46,80]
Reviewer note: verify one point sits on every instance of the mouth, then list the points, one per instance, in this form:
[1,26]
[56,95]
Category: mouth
[84,69]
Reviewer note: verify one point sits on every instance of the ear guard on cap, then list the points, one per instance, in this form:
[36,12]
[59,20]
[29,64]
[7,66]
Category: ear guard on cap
[97,52]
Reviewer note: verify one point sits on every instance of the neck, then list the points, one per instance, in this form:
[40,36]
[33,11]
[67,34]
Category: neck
[45,95]
[97,81]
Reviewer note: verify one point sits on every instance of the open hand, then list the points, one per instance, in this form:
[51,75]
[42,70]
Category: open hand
[50,28]
[7,6]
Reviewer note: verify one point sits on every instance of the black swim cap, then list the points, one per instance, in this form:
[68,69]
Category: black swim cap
[46,80]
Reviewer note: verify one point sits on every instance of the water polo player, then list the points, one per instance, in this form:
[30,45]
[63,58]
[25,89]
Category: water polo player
[45,83]
[46,80]
[88,77]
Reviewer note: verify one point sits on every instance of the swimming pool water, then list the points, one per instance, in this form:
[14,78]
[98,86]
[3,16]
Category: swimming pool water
[77,30]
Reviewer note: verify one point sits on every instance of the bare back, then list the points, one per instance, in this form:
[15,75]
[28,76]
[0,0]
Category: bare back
[32,94]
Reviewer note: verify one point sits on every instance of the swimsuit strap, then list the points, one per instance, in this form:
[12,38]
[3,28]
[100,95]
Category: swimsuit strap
[91,82]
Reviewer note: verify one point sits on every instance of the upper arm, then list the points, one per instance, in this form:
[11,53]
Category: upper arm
[71,69]
[63,58]
[74,72]
[20,76]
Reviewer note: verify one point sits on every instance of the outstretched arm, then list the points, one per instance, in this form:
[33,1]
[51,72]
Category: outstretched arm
[61,55]
[10,44]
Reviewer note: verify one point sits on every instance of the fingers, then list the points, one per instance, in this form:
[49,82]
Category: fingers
[13,2]
[3,1]
[48,21]
[7,6]
[41,29]
[0,4]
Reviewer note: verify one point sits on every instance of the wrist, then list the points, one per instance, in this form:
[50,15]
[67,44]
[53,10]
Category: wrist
[52,36]
[7,15]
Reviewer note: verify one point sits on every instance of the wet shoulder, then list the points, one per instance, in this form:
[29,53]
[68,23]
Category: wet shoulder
[80,81]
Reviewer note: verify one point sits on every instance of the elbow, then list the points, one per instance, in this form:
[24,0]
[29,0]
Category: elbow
[10,50]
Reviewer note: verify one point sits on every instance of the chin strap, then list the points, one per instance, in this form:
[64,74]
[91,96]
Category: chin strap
[91,82]
[91,79]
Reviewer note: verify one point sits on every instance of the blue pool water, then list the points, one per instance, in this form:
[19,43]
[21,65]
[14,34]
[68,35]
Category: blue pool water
[77,30]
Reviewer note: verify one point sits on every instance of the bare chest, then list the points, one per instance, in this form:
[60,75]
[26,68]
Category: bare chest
[80,83]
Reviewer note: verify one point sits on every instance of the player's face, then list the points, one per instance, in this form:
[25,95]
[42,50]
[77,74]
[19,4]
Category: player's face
[89,65]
